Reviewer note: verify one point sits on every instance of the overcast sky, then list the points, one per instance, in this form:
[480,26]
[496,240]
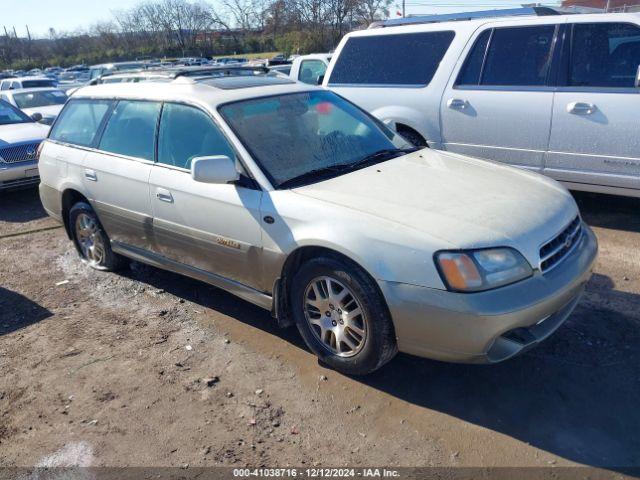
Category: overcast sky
[64,15]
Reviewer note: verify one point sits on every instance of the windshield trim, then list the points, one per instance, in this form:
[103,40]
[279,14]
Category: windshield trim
[273,183]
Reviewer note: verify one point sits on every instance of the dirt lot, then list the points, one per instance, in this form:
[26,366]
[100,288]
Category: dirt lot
[149,368]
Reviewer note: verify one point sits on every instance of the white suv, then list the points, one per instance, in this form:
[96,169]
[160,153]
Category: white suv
[557,94]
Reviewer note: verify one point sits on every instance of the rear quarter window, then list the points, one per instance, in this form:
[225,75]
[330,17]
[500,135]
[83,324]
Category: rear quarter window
[80,121]
[409,59]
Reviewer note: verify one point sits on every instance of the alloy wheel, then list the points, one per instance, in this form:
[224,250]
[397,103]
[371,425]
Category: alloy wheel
[335,316]
[90,239]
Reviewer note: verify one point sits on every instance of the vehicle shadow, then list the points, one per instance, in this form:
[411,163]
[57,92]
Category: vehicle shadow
[609,211]
[17,311]
[576,395]
[19,206]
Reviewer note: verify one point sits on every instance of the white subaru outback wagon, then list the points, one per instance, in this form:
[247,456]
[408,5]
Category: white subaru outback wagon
[296,200]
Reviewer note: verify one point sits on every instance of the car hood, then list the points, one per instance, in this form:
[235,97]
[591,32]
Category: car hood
[467,203]
[22,132]
[50,111]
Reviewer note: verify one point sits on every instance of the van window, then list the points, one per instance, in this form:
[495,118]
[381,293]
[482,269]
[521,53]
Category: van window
[311,71]
[472,69]
[604,55]
[131,129]
[79,121]
[519,56]
[409,59]
[187,133]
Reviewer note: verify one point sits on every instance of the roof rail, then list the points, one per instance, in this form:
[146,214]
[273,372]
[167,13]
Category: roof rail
[461,16]
[216,71]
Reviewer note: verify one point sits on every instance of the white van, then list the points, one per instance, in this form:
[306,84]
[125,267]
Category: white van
[557,94]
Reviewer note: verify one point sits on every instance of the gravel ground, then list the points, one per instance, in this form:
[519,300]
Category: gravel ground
[147,368]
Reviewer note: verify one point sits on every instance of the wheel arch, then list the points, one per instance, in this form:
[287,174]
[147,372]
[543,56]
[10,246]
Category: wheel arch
[291,265]
[409,119]
[70,197]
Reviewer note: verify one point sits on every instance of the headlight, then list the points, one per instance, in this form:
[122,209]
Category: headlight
[477,270]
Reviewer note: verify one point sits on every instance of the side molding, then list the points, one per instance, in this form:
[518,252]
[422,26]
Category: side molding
[235,288]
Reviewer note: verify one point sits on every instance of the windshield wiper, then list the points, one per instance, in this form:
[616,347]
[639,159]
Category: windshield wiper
[371,159]
[380,156]
[311,175]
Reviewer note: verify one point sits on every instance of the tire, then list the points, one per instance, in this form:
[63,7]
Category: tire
[326,294]
[414,138]
[91,241]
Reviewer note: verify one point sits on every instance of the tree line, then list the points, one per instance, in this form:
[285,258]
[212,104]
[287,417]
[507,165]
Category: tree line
[179,28]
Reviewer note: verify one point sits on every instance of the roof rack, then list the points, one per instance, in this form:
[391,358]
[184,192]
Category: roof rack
[461,16]
[216,71]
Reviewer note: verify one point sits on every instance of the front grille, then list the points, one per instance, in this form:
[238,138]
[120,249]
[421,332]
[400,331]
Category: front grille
[555,250]
[27,152]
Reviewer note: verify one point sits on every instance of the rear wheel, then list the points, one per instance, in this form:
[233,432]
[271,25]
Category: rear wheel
[342,317]
[91,241]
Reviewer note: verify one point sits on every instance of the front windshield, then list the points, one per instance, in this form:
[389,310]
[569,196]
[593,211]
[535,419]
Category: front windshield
[292,136]
[9,114]
[43,98]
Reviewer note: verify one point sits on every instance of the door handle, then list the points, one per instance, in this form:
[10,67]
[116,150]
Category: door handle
[90,175]
[581,108]
[164,195]
[457,103]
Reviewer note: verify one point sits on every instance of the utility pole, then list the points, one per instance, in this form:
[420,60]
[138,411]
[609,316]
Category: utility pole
[606,9]
[403,8]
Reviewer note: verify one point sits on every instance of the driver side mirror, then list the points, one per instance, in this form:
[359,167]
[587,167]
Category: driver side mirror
[637,82]
[36,117]
[218,169]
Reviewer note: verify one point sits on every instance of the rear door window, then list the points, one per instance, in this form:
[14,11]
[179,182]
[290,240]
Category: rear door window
[409,59]
[131,129]
[515,56]
[80,121]
[472,69]
[604,55]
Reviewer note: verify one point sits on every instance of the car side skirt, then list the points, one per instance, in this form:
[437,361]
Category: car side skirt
[235,288]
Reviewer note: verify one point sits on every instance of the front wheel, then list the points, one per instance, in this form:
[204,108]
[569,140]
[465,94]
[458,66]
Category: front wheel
[342,316]
[91,241]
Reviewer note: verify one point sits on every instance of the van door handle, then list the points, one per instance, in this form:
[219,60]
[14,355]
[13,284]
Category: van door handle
[90,175]
[164,195]
[581,108]
[457,103]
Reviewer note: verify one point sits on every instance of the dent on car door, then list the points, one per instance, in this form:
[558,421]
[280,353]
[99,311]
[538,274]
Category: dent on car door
[211,227]
[595,119]
[117,173]
[498,106]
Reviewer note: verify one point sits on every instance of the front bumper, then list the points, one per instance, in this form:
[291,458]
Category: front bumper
[16,175]
[492,326]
